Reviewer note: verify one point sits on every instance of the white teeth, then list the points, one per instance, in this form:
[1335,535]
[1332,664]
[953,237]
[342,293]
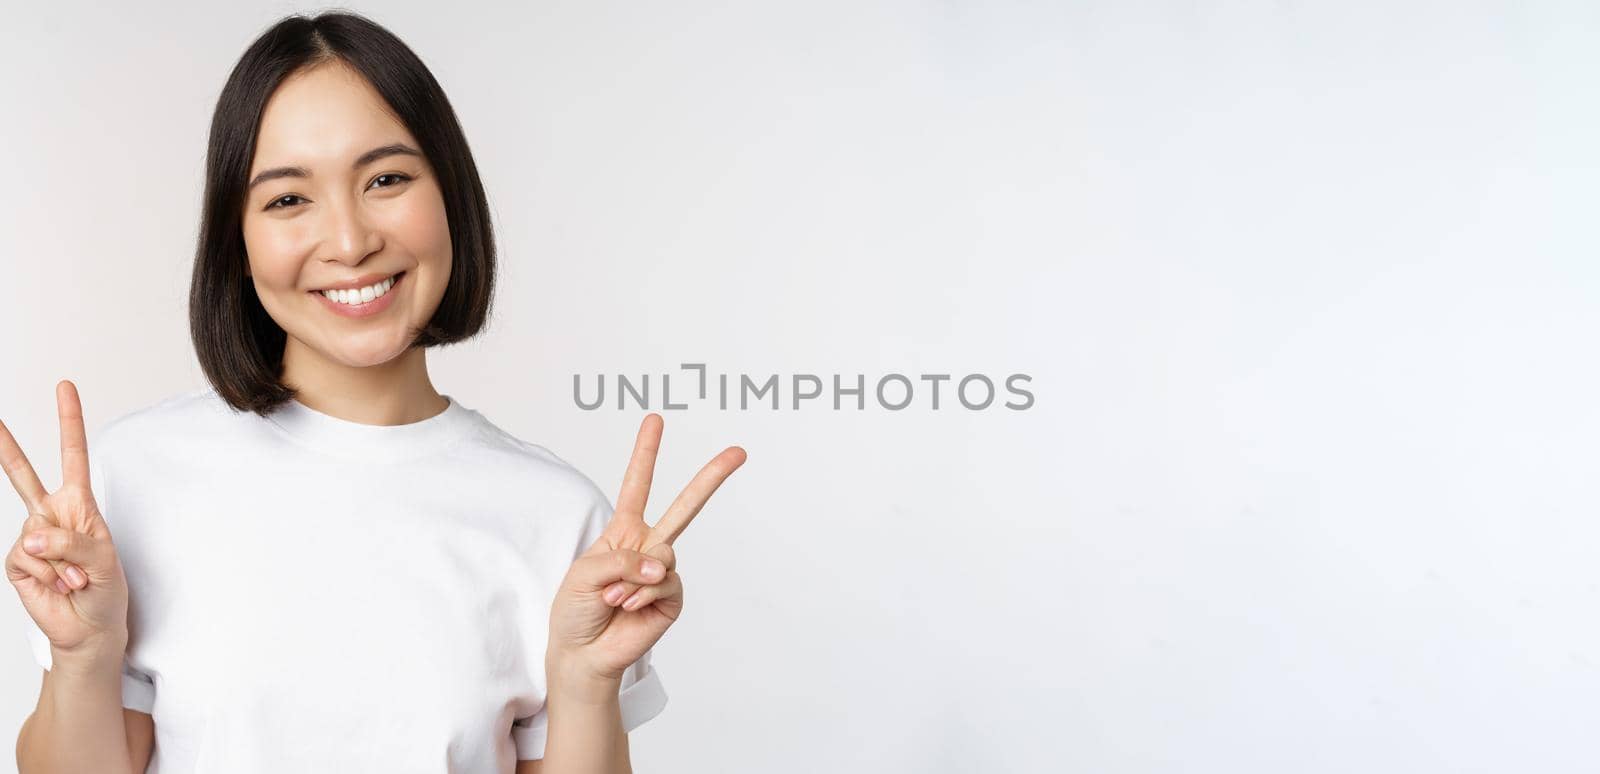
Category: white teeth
[361,296]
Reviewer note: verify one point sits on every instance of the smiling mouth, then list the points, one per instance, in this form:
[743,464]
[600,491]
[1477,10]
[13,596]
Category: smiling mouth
[361,296]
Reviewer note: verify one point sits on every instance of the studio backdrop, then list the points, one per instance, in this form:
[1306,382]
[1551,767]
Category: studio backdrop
[1134,388]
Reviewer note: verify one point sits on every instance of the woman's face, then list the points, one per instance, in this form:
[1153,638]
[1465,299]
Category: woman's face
[329,208]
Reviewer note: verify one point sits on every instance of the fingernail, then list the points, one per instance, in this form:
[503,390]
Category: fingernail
[76,576]
[653,569]
[61,587]
[33,544]
[632,602]
[614,593]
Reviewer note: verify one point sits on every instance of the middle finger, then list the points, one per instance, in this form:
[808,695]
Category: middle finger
[694,496]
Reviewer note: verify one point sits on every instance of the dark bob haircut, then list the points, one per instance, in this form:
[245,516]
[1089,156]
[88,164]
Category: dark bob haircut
[239,345]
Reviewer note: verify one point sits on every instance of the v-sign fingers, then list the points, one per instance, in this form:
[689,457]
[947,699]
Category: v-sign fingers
[74,444]
[20,471]
[641,468]
[694,496]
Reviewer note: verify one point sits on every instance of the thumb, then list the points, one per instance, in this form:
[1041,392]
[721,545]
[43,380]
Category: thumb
[592,573]
[65,544]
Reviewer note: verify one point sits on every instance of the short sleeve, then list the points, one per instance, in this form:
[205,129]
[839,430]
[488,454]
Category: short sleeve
[138,689]
[640,696]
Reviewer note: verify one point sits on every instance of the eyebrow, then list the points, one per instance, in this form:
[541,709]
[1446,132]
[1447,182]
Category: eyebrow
[382,151]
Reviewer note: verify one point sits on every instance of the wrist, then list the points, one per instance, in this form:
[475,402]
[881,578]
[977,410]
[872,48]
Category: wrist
[567,680]
[94,653]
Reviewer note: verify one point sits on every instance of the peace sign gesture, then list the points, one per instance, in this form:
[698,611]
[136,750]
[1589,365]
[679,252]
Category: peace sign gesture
[71,582]
[610,608]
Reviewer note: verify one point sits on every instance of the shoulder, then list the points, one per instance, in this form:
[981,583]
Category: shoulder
[157,440]
[163,416]
[197,411]
[537,465]
[568,509]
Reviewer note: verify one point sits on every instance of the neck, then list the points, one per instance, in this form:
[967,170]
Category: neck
[397,392]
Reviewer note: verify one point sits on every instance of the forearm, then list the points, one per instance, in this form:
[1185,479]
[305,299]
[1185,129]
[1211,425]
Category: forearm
[78,724]
[585,733]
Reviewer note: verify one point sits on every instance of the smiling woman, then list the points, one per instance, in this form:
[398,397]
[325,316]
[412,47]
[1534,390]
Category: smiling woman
[337,156]
[341,199]
[322,563]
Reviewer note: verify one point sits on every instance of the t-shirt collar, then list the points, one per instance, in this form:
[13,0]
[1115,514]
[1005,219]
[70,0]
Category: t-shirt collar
[344,437]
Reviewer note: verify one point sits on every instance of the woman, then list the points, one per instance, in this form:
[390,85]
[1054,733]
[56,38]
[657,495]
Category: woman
[321,562]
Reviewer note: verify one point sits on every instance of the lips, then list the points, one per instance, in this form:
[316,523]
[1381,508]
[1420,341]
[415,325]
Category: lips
[364,281]
[365,309]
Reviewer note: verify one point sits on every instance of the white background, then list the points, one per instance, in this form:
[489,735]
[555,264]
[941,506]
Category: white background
[1308,293]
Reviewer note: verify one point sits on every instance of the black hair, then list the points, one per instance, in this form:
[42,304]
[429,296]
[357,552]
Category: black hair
[239,345]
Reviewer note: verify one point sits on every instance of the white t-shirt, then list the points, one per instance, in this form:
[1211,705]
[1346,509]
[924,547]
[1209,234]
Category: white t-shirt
[312,594]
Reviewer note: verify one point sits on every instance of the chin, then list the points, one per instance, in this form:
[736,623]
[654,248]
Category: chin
[364,355]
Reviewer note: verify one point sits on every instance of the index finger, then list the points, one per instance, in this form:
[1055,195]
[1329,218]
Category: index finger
[694,496]
[20,471]
[74,444]
[641,467]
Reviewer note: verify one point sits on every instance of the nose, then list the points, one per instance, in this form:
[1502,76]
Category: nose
[350,237]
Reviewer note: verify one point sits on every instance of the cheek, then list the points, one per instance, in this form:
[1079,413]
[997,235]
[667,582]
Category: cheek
[422,225]
[274,255]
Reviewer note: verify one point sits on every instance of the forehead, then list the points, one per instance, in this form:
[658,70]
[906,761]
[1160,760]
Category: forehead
[326,115]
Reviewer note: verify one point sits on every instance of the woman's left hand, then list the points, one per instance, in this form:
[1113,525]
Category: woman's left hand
[609,611]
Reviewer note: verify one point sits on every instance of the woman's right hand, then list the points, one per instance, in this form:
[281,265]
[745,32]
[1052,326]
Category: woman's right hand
[89,607]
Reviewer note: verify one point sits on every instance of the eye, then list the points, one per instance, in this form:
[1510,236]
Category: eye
[399,179]
[278,202]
